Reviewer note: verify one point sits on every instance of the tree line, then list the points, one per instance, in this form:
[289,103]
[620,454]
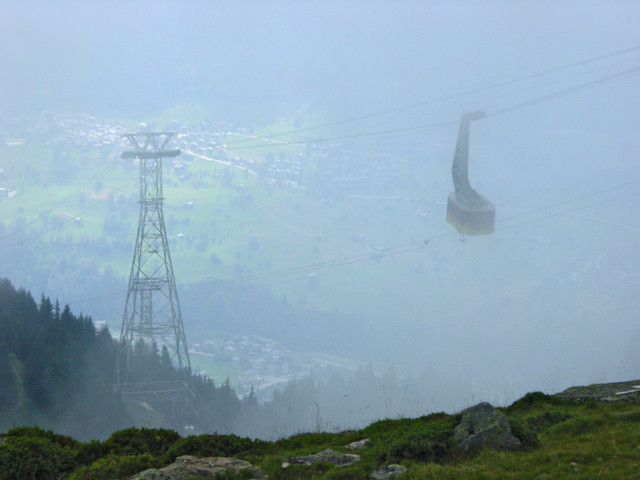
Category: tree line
[57,371]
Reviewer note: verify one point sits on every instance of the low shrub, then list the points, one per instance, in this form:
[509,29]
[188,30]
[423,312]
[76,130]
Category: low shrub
[215,446]
[426,442]
[87,453]
[136,441]
[30,457]
[114,467]
[304,440]
[522,431]
[37,432]
[534,399]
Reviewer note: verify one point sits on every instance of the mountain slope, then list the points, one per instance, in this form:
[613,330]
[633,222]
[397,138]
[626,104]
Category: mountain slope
[560,438]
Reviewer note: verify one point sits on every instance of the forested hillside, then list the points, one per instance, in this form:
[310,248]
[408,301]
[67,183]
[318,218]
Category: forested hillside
[56,369]
[57,372]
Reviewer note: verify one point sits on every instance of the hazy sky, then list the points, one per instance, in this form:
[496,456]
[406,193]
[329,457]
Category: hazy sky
[254,61]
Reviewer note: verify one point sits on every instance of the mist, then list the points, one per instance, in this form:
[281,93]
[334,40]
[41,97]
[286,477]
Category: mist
[353,263]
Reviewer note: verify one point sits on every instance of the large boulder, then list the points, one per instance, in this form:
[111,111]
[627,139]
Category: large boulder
[195,468]
[327,456]
[483,426]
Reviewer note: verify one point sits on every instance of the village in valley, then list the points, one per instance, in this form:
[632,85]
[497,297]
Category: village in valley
[260,364]
[250,362]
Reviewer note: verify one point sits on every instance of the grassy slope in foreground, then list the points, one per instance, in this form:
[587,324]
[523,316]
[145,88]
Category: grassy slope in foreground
[561,439]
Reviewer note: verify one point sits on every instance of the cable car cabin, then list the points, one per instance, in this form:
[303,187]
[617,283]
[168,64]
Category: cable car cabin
[471,219]
[467,210]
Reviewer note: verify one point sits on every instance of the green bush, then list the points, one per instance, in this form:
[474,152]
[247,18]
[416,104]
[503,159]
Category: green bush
[383,427]
[87,453]
[215,446]
[37,432]
[426,442]
[534,399]
[523,432]
[136,441]
[33,457]
[304,440]
[116,467]
[428,447]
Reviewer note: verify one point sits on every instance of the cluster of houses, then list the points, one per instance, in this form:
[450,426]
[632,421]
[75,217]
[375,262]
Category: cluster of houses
[81,130]
[261,364]
[333,166]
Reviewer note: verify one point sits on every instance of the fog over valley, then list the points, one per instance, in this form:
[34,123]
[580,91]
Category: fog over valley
[306,214]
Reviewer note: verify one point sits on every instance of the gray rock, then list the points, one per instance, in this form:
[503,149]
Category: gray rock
[329,456]
[359,445]
[389,471]
[482,425]
[627,392]
[195,468]
[152,474]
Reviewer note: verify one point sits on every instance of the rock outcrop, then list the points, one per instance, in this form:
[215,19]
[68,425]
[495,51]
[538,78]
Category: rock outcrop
[195,468]
[389,471]
[359,445]
[328,456]
[628,392]
[482,425]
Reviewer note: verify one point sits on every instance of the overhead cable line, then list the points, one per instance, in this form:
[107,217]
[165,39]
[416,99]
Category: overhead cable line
[450,96]
[603,191]
[437,240]
[631,72]
[570,211]
[443,239]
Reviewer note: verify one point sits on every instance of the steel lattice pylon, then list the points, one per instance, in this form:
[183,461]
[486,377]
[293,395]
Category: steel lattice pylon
[152,310]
